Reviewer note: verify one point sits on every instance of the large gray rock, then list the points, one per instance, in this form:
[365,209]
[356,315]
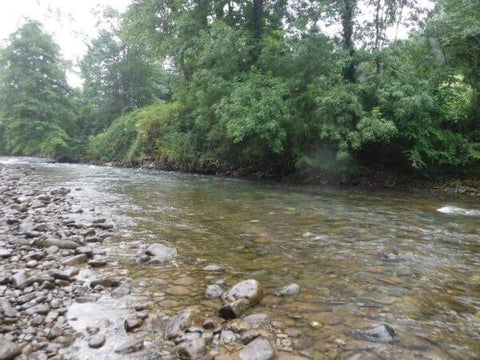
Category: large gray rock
[257,319]
[161,253]
[247,289]
[8,350]
[192,349]
[181,322]
[259,349]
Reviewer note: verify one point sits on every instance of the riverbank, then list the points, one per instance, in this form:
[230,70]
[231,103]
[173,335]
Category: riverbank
[372,180]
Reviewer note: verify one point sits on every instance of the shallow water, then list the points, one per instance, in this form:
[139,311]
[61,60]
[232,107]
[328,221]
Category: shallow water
[361,257]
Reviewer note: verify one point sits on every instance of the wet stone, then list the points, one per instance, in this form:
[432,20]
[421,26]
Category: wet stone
[213,291]
[192,349]
[383,334]
[214,267]
[257,319]
[234,309]
[97,341]
[8,350]
[247,289]
[259,349]
[181,322]
[129,347]
[289,290]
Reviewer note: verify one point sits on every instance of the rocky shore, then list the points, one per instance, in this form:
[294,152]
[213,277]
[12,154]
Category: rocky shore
[62,295]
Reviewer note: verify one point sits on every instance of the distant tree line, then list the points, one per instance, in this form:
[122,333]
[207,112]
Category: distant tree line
[256,86]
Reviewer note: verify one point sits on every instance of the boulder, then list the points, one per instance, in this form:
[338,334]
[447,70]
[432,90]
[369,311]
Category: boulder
[97,341]
[383,334]
[130,346]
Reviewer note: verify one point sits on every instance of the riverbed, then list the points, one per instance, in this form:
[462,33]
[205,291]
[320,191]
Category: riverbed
[361,258]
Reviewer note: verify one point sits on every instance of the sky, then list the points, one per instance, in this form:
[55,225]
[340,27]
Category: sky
[70,22]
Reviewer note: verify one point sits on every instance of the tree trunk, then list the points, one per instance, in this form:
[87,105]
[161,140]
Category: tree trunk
[348,16]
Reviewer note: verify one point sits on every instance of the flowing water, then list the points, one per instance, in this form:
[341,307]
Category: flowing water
[409,260]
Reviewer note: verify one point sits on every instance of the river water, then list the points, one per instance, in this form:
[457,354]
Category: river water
[409,260]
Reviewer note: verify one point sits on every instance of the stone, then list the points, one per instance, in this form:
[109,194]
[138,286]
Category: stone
[181,322]
[214,267]
[8,350]
[19,278]
[383,334]
[238,326]
[130,346]
[132,323]
[105,282]
[59,243]
[179,290]
[247,289]
[76,260]
[121,291]
[213,291]
[257,319]
[192,349]
[234,309]
[161,253]
[289,290]
[97,341]
[259,349]
[87,250]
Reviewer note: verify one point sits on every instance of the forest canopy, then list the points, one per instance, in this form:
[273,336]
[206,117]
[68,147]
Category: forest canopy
[256,87]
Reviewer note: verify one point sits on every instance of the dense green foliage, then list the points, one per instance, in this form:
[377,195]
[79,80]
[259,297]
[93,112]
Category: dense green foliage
[36,115]
[261,86]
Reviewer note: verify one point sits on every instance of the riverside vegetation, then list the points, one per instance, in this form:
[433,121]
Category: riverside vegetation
[257,87]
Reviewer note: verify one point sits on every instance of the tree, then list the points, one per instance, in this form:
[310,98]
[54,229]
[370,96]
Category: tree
[37,115]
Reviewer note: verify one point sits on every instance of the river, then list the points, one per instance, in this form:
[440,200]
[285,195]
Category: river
[409,260]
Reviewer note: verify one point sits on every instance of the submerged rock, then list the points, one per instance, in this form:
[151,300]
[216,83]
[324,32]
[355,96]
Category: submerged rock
[289,290]
[213,291]
[161,253]
[130,347]
[214,267]
[383,334]
[247,289]
[97,341]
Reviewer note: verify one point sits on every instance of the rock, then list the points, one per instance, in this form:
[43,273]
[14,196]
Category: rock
[121,291]
[238,326]
[259,349]
[214,267]
[247,289]
[5,252]
[289,290]
[234,309]
[97,341]
[182,321]
[105,282]
[161,253]
[8,350]
[35,204]
[97,262]
[19,278]
[130,346]
[179,290]
[257,319]
[213,291]
[132,323]
[383,334]
[76,260]
[59,243]
[192,349]
[87,250]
